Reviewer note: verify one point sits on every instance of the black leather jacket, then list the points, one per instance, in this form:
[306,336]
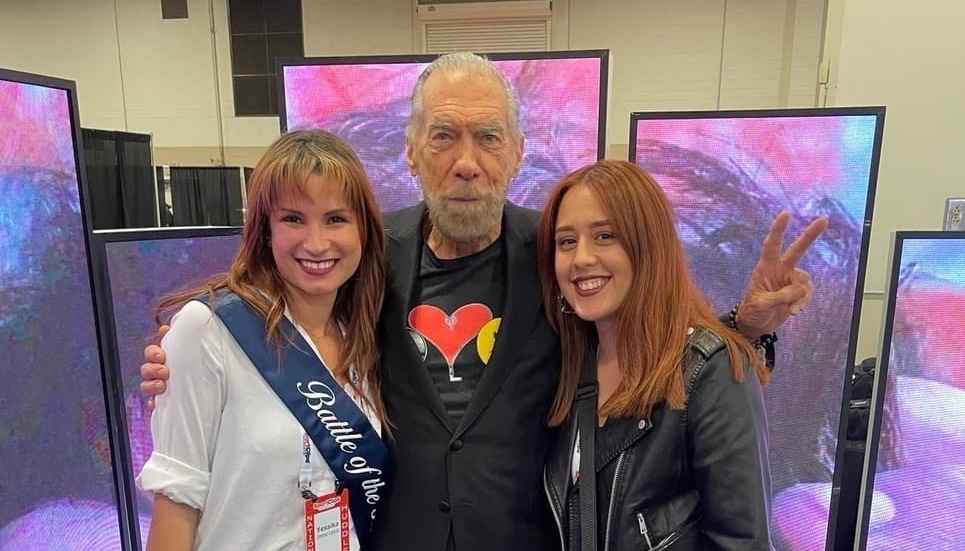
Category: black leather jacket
[693,479]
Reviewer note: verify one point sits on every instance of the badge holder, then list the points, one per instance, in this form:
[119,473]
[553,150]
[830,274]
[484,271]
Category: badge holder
[326,516]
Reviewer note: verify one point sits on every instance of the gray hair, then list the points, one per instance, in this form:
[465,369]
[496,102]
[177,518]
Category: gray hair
[470,63]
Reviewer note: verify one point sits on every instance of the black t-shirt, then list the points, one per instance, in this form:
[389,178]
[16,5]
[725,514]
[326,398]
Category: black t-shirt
[454,320]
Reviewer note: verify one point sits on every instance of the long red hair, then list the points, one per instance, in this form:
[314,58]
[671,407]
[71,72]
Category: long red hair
[661,304]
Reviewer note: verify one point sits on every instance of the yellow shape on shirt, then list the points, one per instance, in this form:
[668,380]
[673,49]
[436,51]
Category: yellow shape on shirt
[486,340]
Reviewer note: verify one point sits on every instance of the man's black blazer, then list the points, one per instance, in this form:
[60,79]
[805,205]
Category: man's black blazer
[483,478]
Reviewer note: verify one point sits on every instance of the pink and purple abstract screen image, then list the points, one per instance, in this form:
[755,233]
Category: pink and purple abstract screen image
[728,174]
[367,104]
[57,490]
[918,498]
[133,266]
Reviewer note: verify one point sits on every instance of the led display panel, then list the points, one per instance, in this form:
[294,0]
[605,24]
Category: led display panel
[913,497]
[365,101]
[57,490]
[728,173]
[143,267]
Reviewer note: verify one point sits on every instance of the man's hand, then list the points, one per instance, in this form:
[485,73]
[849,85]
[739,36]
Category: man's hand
[778,288]
[154,373]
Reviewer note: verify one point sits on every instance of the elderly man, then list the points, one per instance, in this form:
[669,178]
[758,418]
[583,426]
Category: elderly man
[469,364]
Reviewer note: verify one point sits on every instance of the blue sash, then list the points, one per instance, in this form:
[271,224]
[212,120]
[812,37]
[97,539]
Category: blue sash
[341,432]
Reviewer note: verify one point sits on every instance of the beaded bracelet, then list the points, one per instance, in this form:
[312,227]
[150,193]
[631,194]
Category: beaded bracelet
[764,344]
[732,317]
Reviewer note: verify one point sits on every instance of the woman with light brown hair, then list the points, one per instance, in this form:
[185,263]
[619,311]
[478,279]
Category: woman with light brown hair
[674,411]
[269,434]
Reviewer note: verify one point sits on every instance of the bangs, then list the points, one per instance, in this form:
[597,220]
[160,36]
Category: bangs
[636,206]
[284,180]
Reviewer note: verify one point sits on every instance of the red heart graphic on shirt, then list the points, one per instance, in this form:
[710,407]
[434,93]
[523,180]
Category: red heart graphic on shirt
[449,333]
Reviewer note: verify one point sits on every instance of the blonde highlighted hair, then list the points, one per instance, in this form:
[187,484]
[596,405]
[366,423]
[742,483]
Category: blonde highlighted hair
[283,171]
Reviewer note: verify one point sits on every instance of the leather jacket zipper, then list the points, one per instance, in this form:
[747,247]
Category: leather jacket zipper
[644,531]
[613,498]
[556,508]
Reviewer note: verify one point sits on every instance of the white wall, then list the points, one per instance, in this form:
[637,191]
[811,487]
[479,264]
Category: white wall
[700,54]
[664,55]
[909,57]
[802,52]
[62,39]
[140,73]
[359,27]
[167,71]
[136,71]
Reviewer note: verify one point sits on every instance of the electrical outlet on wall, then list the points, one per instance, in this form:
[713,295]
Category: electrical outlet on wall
[954,214]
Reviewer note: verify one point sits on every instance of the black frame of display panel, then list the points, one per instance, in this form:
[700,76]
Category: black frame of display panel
[602,55]
[879,113]
[127,521]
[879,389]
[110,355]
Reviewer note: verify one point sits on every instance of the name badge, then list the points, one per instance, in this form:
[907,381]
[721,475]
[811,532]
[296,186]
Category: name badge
[326,522]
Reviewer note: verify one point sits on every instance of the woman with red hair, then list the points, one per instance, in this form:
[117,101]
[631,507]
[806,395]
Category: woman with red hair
[678,423]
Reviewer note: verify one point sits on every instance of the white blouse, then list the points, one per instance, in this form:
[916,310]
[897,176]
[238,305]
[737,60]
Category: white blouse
[225,444]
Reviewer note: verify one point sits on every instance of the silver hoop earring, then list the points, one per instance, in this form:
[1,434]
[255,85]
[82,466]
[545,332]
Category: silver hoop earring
[564,306]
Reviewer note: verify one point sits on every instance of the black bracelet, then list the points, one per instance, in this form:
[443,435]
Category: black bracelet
[764,344]
[766,350]
[732,318]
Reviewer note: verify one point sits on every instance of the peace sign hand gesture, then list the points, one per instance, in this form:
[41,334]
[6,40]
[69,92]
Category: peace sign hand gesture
[778,288]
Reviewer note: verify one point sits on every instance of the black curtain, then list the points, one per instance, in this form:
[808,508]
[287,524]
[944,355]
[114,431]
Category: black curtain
[120,179]
[137,179]
[164,212]
[206,196]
